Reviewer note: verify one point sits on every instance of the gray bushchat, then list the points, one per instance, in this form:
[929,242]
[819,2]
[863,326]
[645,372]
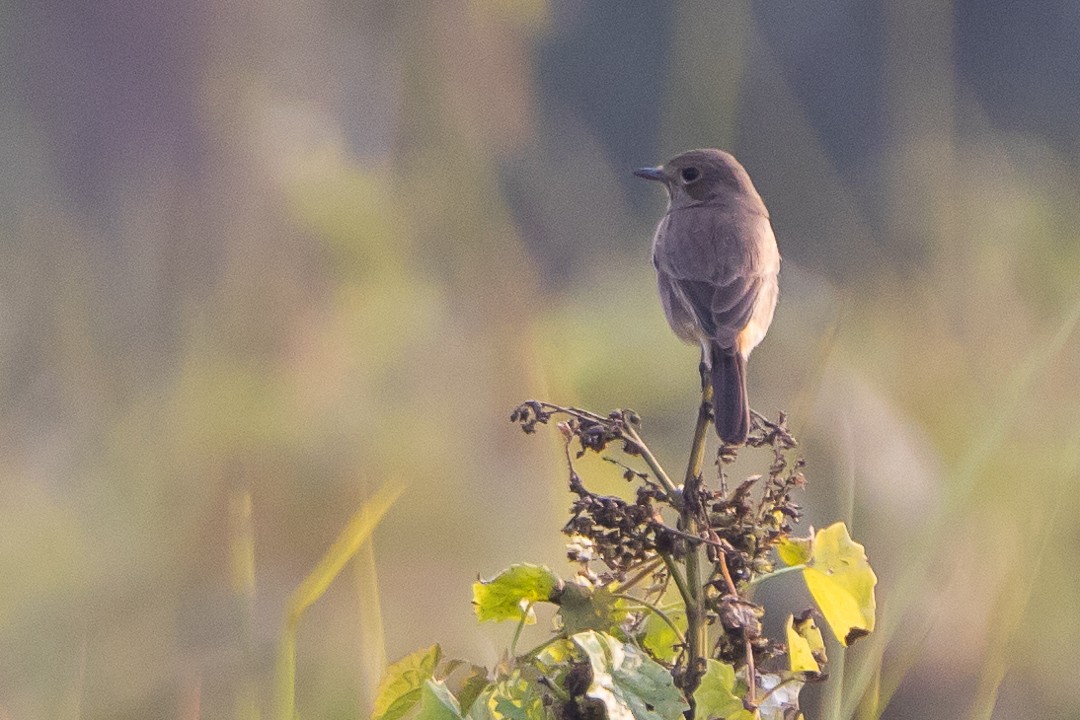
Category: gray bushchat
[716,267]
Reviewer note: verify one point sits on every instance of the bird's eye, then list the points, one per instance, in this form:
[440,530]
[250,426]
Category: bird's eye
[690,174]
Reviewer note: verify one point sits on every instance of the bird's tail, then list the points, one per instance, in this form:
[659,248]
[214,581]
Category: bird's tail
[730,406]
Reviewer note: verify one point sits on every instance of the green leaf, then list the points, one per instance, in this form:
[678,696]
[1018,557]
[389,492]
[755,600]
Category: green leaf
[401,686]
[659,638]
[715,696]
[629,684]
[507,595]
[438,703]
[474,683]
[515,699]
[841,581]
[584,608]
[481,707]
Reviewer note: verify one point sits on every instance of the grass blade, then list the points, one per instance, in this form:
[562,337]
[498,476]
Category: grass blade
[964,477]
[348,542]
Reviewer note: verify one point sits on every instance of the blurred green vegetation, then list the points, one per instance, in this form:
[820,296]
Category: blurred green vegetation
[289,253]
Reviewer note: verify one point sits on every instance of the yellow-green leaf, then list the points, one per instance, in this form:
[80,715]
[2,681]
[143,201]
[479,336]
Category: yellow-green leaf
[841,581]
[508,595]
[809,631]
[715,695]
[401,686]
[794,551]
[800,655]
[557,653]
[660,638]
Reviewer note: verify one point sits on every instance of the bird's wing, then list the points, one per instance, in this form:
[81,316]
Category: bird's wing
[713,268]
[722,311]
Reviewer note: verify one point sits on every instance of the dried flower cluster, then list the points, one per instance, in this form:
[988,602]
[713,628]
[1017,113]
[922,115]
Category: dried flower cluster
[738,527]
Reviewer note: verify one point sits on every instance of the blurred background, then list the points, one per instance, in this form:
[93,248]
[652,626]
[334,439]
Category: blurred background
[258,259]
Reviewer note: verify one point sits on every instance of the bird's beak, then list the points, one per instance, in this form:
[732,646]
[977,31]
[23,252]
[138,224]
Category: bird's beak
[651,173]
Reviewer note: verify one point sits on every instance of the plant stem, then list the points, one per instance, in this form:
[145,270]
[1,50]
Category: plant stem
[541,647]
[697,631]
[520,627]
[775,573]
[554,688]
[680,583]
[697,447]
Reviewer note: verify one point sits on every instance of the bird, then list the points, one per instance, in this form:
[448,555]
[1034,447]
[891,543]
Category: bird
[717,268]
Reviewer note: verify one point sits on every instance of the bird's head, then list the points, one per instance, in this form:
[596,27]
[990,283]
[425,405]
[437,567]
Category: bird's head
[703,177]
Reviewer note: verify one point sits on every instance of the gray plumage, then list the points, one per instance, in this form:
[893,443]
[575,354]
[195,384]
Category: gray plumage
[716,268]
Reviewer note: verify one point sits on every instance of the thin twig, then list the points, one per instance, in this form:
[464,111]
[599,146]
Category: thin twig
[697,630]
[696,538]
[542,646]
[751,691]
[629,471]
[777,686]
[727,575]
[750,669]
[650,460]
[649,569]
[573,411]
[663,615]
[680,583]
